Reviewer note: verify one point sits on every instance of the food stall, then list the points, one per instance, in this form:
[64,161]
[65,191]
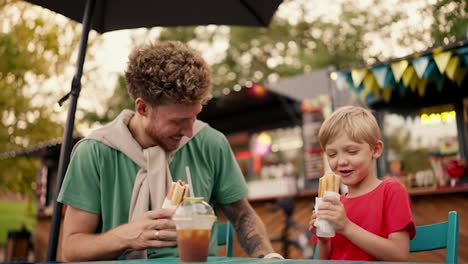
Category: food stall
[425,94]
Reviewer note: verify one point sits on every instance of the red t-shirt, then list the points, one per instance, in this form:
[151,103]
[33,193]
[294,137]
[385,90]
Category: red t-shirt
[382,211]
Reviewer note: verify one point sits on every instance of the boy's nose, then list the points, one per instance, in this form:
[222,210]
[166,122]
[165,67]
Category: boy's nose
[342,160]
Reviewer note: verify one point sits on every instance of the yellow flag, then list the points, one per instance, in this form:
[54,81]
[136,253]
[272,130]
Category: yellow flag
[408,75]
[460,75]
[358,75]
[452,67]
[422,84]
[387,93]
[369,82]
[442,59]
[398,68]
[414,83]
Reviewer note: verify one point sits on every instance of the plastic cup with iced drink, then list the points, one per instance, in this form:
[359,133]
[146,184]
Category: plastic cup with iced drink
[194,220]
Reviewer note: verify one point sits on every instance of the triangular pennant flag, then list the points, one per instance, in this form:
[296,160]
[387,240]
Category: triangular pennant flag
[452,67]
[358,75]
[460,76]
[398,68]
[465,59]
[430,70]
[369,82]
[463,52]
[341,83]
[440,83]
[380,73]
[401,89]
[442,59]
[414,83]
[363,95]
[408,75]
[387,94]
[422,84]
[420,65]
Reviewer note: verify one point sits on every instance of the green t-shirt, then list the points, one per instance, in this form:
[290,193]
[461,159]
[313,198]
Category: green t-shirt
[100,179]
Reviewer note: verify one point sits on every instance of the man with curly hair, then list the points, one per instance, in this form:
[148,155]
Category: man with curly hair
[118,176]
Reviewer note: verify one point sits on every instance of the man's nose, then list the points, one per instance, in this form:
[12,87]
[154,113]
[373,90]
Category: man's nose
[187,130]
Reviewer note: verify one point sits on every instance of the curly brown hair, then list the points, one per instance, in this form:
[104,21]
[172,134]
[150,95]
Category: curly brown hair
[168,72]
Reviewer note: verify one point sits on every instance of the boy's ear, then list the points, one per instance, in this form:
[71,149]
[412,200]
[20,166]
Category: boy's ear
[378,149]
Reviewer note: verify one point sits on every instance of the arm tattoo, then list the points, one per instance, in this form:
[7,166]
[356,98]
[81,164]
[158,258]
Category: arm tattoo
[250,229]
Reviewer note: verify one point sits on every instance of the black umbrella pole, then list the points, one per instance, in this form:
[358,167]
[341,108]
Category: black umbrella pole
[65,150]
[63,164]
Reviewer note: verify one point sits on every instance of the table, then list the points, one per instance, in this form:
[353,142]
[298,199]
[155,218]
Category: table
[227,260]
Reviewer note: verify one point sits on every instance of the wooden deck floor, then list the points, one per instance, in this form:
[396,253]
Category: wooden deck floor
[427,209]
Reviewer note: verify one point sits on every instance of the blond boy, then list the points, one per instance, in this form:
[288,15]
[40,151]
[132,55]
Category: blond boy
[373,219]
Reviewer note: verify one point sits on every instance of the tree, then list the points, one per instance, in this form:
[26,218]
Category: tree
[450,21]
[35,48]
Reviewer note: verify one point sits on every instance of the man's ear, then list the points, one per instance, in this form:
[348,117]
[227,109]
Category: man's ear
[141,107]
[378,149]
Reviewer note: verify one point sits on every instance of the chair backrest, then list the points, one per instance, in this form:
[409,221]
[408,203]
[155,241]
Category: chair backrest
[437,236]
[226,237]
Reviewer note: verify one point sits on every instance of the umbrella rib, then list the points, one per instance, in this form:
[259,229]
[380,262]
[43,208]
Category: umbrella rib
[254,13]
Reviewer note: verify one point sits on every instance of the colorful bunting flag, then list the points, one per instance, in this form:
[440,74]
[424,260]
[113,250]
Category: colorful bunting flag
[408,75]
[460,75]
[381,81]
[381,73]
[414,83]
[343,80]
[422,84]
[430,70]
[398,68]
[369,82]
[358,76]
[452,67]
[420,64]
[442,59]
[387,94]
[463,52]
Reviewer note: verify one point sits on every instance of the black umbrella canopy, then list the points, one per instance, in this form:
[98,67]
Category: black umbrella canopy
[122,14]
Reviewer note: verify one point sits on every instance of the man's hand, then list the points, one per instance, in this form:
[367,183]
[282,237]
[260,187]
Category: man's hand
[82,243]
[154,229]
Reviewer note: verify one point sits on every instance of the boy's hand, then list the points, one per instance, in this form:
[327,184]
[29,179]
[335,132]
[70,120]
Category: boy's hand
[312,228]
[333,211]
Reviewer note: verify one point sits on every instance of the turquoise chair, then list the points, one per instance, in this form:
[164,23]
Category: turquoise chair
[226,237]
[437,236]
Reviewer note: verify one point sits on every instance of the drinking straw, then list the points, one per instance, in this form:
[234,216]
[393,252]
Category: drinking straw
[189,180]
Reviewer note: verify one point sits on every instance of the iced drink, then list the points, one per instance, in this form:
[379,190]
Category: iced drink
[193,244]
[194,220]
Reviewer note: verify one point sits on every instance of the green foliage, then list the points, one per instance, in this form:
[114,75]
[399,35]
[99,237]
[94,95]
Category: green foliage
[450,21]
[34,48]
[14,215]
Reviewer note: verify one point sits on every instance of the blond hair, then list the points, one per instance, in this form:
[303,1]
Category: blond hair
[168,72]
[358,123]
